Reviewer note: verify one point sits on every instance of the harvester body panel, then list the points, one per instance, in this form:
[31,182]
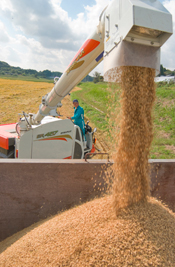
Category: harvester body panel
[53,139]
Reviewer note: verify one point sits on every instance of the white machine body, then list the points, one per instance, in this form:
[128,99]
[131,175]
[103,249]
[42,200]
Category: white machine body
[134,32]
[144,22]
[54,139]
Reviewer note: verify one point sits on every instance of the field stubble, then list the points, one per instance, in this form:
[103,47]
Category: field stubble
[18,96]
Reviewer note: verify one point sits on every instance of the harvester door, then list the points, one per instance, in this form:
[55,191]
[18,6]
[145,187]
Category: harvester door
[53,140]
[78,150]
[25,145]
[89,140]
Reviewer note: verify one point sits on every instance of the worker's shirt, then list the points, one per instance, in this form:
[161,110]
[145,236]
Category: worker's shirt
[79,118]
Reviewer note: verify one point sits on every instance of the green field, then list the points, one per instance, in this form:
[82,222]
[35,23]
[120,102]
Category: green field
[28,78]
[96,99]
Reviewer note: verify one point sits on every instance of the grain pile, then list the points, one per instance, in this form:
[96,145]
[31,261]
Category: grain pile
[136,133]
[91,235]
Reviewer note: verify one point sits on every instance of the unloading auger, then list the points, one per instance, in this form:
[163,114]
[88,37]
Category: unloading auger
[130,33]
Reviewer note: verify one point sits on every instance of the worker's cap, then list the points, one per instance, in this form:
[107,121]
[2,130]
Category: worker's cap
[75,101]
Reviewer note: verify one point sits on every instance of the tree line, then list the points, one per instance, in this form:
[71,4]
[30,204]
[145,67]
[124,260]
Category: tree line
[166,72]
[7,70]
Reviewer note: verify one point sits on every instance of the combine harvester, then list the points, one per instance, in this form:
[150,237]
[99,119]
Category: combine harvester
[40,181]
[130,33]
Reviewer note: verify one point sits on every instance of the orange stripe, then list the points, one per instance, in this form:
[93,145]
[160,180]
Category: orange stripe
[63,139]
[88,47]
[68,157]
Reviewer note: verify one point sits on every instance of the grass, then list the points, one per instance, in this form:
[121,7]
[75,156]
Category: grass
[163,145]
[26,78]
[93,99]
[96,100]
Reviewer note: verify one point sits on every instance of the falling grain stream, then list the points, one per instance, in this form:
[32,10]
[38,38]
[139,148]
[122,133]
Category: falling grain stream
[136,133]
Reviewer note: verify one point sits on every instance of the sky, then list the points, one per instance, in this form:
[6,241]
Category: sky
[46,34]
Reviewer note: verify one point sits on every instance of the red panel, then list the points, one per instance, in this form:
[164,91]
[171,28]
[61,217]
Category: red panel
[5,134]
[4,142]
[93,149]
[5,130]
[88,47]
[7,125]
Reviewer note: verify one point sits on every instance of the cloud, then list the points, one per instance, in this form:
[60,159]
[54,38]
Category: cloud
[51,25]
[87,21]
[44,21]
[45,33]
[6,5]
[13,55]
[4,37]
[35,56]
[40,8]
[168,52]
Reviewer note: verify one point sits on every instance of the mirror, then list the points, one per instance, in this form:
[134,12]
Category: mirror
[56,79]
[95,129]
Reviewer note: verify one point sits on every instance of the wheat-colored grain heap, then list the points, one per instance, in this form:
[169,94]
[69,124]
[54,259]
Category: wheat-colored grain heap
[91,235]
[141,234]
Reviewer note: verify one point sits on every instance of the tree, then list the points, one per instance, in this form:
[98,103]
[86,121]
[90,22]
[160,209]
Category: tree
[46,73]
[162,70]
[97,77]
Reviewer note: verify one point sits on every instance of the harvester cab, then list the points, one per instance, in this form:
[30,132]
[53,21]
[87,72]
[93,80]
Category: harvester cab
[130,33]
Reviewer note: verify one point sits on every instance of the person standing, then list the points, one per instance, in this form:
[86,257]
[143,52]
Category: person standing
[78,116]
